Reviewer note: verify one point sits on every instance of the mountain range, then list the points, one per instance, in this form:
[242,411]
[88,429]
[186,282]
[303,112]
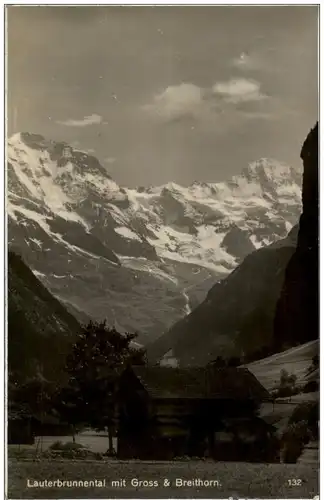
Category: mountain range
[267,304]
[145,257]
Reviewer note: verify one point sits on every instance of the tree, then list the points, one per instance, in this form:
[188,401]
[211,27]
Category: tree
[34,396]
[29,404]
[94,365]
[219,362]
[287,385]
[287,380]
[17,406]
[69,405]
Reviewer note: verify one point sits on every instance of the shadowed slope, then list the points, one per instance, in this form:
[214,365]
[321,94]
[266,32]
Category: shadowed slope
[40,329]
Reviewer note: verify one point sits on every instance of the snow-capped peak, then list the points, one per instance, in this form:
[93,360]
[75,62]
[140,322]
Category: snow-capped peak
[64,208]
[270,168]
[56,170]
[177,218]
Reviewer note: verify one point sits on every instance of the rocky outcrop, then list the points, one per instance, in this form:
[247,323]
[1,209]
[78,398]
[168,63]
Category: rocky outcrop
[237,316]
[238,243]
[268,303]
[297,317]
[40,329]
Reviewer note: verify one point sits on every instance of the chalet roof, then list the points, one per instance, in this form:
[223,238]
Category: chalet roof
[202,383]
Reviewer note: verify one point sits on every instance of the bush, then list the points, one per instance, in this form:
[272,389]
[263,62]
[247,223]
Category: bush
[309,414]
[304,412]
[292,451]
[287,386]
[287,380]
[294,440]
[58,445]
[285,392]
[110,453]
[72,454]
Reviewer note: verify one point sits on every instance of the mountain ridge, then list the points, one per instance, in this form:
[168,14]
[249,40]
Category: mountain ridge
[162,240]
[268,303]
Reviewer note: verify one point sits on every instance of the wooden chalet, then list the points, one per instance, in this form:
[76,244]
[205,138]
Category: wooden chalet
[171,412]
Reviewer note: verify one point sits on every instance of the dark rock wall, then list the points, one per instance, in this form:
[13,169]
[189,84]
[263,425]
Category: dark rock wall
[297,315]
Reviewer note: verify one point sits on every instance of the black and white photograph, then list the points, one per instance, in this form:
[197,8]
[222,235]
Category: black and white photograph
[162,248]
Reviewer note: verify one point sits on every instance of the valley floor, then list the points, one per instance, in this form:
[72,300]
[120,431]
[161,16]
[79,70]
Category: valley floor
[243,480]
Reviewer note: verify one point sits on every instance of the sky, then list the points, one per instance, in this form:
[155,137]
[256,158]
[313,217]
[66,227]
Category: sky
[160,94]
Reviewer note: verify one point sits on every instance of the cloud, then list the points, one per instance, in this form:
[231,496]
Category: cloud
[239,90]
[176,102]
[187,102]
[84,122]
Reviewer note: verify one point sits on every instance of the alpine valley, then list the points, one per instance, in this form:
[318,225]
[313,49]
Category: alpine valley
[143,257]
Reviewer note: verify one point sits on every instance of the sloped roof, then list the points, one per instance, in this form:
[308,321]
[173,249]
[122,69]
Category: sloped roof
[202,383]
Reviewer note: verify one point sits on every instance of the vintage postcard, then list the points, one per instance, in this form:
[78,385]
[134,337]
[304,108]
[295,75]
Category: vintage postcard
[162,270]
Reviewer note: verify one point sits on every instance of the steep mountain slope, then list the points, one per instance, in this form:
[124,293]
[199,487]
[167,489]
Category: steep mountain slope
[40,329]
[236,318]
[297,315]
[98,246]
[240,315]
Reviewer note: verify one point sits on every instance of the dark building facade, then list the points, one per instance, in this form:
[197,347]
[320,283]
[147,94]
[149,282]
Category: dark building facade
[166,413]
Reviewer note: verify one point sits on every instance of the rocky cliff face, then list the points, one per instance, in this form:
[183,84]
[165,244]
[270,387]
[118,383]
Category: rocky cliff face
[268,303]
[237,316]
[297,317]
[40,330]
[98,246]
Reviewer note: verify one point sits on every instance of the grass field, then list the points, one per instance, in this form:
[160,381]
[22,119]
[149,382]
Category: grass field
[235,479]
[295,360]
